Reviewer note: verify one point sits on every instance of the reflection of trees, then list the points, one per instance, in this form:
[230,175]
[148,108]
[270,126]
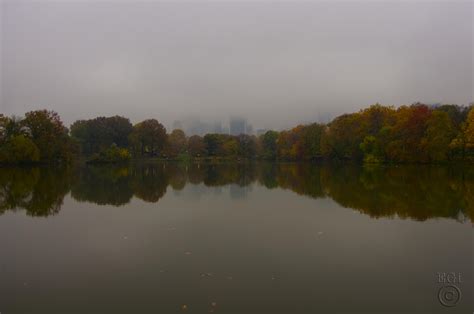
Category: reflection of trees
[117,184]
[39,190]
[268,175]
[196,173]
[103,185]
[178,176]
[149,181]
[16,186]
[468,187]
[302,178]
[416,192]
[219,174]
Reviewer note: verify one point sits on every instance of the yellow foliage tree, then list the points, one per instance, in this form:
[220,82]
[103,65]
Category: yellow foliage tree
[469,131]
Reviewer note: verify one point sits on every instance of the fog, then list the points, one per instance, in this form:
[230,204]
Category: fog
[275,63]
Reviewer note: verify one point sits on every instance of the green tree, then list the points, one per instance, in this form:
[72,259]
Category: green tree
[269,144]
[19,149]
[213,143]
[311,140]
[457,114]
[247,145]
[371,149]
[230,146]
[196,146]
[111,155]
[176,143]
[100,133]
[148,138]
[469,130]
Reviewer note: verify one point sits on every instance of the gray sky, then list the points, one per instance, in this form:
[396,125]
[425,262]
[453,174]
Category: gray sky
[277,63]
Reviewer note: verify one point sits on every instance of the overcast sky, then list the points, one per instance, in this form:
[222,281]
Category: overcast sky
[276,63]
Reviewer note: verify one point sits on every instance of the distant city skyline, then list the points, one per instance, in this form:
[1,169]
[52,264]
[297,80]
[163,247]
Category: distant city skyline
[194,126]
[234,125]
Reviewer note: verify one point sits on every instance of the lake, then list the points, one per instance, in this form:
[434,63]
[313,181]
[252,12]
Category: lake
[236,238]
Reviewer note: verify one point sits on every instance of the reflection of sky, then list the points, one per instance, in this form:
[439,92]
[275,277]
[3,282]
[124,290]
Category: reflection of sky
[239,192]
[285,254]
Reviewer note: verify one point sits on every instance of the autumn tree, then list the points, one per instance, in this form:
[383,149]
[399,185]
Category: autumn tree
[457,114]
[229,146]
[439,134]
[376,117]
[342,138]
[48,133]
[469,132]
[288,146]
[406,136]
[416,133]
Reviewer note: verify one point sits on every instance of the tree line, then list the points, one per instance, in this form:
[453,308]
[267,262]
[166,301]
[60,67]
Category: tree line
[377,134]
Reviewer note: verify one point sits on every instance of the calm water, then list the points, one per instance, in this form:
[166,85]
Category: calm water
[234,238]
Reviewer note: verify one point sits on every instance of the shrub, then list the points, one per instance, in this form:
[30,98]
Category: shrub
[111,154]
[19,149]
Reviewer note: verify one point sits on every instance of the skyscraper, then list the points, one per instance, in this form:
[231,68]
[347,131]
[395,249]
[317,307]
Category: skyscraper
[237,125]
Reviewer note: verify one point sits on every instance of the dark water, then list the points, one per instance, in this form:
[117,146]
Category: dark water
[235,238]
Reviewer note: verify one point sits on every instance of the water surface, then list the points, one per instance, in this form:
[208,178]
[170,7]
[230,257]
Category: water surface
[234,238]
